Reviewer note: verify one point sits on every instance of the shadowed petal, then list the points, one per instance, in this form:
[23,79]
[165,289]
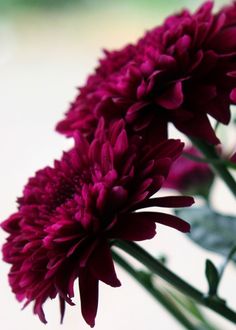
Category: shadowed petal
[170,201]
[219,109]
[102,266]
[199,127]
[172,98]
[134,227]
[165,219]
[233,95]
[62,308]
[88,286]
[224,42]
[172,221]
[38,309]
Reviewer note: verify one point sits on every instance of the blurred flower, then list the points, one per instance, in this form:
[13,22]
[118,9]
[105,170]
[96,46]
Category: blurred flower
[233,158]
[189,176]
[180,72]
[69,213]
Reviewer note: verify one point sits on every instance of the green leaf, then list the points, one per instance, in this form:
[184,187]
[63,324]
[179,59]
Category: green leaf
[211,230]
[212,276]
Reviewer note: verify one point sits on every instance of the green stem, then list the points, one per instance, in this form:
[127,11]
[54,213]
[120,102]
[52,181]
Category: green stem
[227,260]
[157,294]
[210,161]
[159,269]
[219,169]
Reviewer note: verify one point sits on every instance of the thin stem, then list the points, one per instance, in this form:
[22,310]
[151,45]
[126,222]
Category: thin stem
[219,169]
[157,294]
[159,269]
[227,260]
[209,161]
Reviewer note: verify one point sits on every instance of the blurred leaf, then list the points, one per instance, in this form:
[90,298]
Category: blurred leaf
[16,4]
[212,276]
[162,258]
[189,305]
[154,5]
[211,230]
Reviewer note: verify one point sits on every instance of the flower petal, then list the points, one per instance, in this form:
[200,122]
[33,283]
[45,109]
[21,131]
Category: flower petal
[170,201]
[134,227]
[233,95]
[198,127]
[88,287]
[172,221]
[172,98]
[219,108]
[62,308]
[102,266]
[224,42]
[164,219]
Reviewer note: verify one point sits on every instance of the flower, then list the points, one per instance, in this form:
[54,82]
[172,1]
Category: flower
[181,72]
[81,115]
[189,176]
[69,213]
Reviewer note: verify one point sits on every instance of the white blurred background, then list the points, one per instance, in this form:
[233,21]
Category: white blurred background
[45,53]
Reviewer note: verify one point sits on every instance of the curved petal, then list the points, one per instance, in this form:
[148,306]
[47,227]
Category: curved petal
[172,98]
[101,265]
[172,221]
[134,227]
[164,219]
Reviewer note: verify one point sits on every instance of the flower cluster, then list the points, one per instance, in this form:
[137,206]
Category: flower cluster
[69,213]
[181,72]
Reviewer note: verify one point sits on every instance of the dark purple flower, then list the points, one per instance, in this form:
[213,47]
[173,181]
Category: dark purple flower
[189,176]
[181,72]
[69,213]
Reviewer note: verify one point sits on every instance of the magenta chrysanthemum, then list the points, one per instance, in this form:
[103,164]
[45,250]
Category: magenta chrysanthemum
[69,213]
[181,72]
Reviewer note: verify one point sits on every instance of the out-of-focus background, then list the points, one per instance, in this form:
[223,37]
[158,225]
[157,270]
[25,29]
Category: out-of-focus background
[47,48]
